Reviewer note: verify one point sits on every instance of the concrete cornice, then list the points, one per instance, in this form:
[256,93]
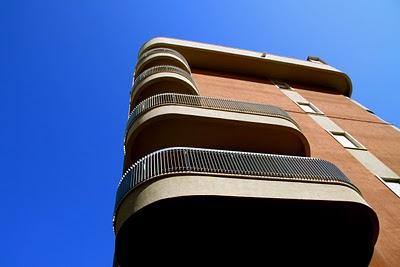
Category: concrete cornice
[256,64]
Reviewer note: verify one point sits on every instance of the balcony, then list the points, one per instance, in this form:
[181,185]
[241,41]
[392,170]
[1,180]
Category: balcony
[162,79]
[169,120]
[224,206]
[161,56]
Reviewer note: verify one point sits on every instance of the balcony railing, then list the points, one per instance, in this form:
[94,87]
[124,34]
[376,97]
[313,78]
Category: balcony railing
[156,51]
[181,161]
[207,103]
[162,79]
[160,69]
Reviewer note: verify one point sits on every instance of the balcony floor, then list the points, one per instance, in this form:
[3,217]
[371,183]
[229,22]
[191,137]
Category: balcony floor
[222,229]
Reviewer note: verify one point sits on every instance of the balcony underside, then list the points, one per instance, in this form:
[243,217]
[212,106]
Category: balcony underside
[226,219]
[174,125]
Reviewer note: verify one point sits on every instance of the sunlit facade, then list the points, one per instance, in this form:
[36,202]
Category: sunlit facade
[240,156]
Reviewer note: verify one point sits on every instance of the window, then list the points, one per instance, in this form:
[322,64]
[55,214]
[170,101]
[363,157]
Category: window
[346,140]
[395,187]
[282,85]
[309,108]
[392,183]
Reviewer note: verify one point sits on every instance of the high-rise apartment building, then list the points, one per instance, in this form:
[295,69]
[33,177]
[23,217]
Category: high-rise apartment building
[235,156]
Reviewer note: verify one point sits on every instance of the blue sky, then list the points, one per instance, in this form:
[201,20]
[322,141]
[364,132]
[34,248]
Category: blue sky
[66,70]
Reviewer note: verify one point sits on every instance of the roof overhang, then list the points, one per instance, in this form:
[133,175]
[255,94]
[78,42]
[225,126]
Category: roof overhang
[256,64]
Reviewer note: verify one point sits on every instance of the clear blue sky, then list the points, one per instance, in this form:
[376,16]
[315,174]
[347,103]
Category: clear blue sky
[66,70]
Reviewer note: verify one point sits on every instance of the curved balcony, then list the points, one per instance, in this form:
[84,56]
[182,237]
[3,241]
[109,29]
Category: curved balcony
[162,79]
[224,205]
[161,56]
[169,120]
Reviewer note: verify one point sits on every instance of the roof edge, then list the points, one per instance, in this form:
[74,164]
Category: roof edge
[258,64]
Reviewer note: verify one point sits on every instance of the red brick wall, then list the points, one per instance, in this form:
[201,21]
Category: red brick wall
[258,91]
[380,139]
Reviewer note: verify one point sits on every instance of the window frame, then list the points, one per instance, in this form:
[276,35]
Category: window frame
[316,110]
[351,139]
[386,180]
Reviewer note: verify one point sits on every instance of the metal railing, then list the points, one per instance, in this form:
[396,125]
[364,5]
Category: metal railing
[160,69]
[182,161]
[208,103]
[161,50]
